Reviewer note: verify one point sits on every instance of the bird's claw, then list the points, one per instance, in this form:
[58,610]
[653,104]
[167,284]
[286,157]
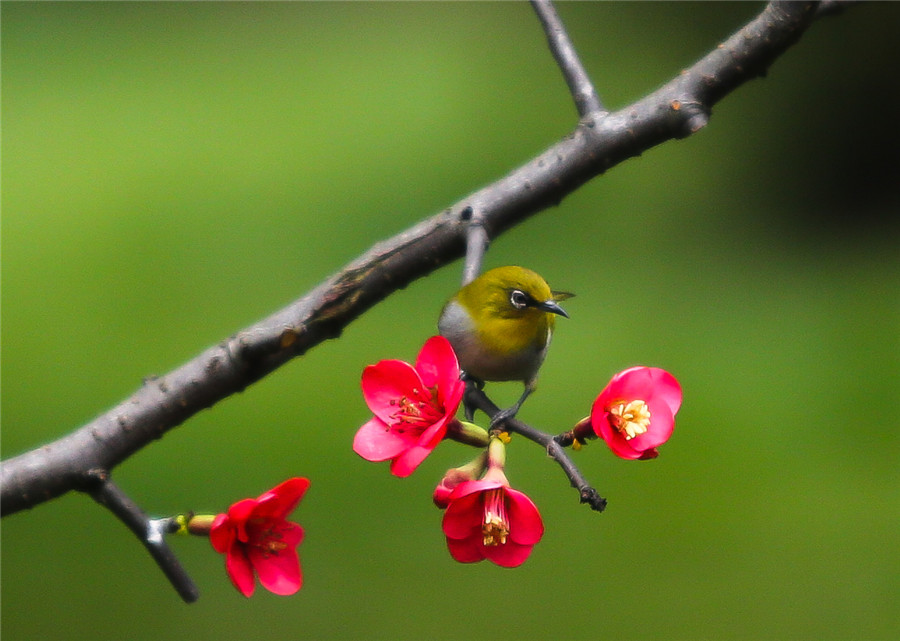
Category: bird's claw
[502,416]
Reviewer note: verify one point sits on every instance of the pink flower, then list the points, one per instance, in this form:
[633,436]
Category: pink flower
[635,413]
[255,537]
[413,406]
[487,519]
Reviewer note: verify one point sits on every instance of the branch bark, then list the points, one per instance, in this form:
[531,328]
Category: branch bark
[553,445]
[599,141]
[580,86]
[149,533]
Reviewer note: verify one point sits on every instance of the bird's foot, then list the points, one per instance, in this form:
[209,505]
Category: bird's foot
[498,419]
[471,382]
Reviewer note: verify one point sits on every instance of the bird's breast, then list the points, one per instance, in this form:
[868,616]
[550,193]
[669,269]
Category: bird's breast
[505,349]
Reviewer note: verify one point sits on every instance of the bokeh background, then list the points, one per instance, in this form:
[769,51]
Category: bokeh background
[174,172]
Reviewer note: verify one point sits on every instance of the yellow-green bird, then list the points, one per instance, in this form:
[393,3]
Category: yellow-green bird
[500,326]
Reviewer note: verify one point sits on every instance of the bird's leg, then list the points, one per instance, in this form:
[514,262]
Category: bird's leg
[468,407]
[510,412]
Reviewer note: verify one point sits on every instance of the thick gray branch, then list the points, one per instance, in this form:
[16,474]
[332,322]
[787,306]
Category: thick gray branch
[598,142]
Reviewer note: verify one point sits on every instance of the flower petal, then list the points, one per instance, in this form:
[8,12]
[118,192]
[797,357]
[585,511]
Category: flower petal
[375,441]
[463,516]
[240,570]
[645,383]
[278,573]
[470,487]
[222,533]
[508,555]
[468,550]
[613,438]
[409,459]
[291,534]
[434,433]
[384,383]
[282,499]
[525,524]
[238,514]
[662,424]
[668,390]
[438,367]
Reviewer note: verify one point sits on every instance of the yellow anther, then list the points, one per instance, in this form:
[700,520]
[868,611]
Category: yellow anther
[631,419]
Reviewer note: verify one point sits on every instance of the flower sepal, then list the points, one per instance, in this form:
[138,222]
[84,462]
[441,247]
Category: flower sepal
[468,433]
[197,524]
[582,431]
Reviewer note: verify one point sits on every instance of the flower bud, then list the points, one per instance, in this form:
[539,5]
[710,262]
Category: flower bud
[454,476]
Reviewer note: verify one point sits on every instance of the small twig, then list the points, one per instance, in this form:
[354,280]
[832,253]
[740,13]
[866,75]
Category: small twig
[477,398]
[833,7]
[580,86]
[150,532]
[477,242]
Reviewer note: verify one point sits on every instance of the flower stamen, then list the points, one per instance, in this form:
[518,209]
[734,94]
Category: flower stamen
[495,526]
[272,548]
[631,419]
[420,412]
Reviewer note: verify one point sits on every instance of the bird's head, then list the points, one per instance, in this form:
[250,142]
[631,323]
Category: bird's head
[512,292]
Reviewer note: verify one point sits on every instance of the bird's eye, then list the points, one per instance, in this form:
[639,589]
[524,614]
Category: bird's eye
[519,299]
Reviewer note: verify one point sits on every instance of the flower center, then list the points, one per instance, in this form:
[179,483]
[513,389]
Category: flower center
[631,419]
[495,526]
[267,537]
[420,410]
[272,548]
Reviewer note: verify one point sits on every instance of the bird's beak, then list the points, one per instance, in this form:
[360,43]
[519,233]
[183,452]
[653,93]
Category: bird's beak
[553,307]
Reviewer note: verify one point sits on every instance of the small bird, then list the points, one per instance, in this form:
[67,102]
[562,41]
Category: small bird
[500,326]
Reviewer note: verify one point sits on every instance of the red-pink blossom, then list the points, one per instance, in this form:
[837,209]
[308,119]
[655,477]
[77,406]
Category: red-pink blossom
[413,405]
[255,538]
[487,519]
[635,413]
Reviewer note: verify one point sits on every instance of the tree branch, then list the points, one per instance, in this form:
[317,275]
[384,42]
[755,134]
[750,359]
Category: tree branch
[599,142]
[580,86]
[477,242]
[149,532]
[587,494]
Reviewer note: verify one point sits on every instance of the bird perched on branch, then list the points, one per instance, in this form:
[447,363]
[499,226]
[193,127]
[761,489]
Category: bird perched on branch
[500,326]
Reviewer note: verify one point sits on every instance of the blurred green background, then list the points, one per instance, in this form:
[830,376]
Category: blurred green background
[174,172]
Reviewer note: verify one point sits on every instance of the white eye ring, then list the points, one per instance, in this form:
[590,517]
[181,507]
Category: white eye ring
[518,299]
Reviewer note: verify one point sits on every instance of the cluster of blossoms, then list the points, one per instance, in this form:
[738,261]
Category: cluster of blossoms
[414,409]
